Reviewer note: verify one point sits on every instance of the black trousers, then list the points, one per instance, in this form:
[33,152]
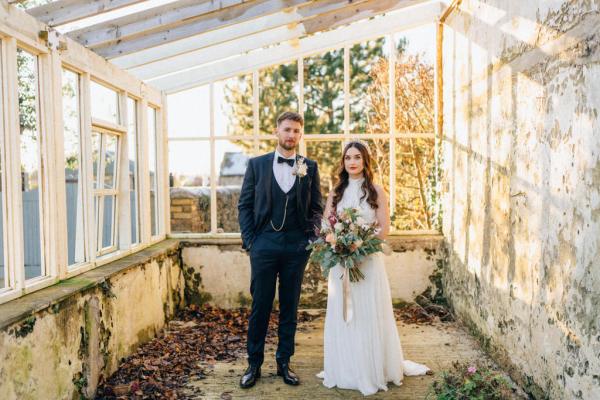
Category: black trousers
[275,255]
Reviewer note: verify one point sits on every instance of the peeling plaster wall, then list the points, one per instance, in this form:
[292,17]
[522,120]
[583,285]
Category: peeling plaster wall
[521,154]
[63,351]
[220,274]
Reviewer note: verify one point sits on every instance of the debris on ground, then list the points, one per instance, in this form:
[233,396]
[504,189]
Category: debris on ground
[423,311]
[186,348]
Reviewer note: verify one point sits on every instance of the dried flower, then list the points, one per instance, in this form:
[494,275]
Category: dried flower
[301,168]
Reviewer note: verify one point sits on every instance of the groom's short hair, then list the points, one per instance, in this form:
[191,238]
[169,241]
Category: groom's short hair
[293,116]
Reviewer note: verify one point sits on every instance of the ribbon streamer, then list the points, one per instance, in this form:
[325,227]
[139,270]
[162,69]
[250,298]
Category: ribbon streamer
[347,299]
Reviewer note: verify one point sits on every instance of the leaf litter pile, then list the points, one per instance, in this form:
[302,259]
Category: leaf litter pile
[423,311]
[199,337]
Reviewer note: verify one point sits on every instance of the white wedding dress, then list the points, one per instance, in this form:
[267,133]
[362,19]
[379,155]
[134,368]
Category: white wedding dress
[364,353]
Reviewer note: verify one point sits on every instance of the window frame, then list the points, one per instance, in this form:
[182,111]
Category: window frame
[83,166]
[391,136]
[19,32]
[102,193]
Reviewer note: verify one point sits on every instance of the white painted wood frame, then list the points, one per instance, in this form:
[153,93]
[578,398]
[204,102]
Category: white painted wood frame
[63,11]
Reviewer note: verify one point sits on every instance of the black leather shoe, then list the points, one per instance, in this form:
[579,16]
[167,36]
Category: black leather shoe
[289,376]
[250,377]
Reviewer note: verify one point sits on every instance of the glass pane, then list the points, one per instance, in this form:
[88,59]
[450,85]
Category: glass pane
[231,161]
[369,91]
[110,158]
[105,103]
[233,106]
[189,172]
[153,171]
[415,183]
[189,112]
[73,177]
[379,150]
[324,93]
[278,93]
[27,74]
[133,168]
[96,157]
[419,40]
[108,239]
[414,80]
[328,155]
[264,145]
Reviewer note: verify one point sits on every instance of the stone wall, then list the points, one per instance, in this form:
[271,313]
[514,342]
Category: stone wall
[59,342]
[218,272]
[190,209]
[521,154]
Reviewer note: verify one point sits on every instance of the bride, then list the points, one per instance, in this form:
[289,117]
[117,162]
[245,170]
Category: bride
[363,353]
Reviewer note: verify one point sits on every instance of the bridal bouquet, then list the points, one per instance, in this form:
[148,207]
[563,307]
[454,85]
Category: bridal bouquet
[345,238]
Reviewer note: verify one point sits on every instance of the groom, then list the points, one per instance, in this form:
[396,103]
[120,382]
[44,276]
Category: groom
[279,207]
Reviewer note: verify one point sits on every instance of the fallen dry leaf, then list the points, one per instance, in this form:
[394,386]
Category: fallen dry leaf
[187,347]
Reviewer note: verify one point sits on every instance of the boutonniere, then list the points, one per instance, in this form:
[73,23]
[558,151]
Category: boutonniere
[301,167]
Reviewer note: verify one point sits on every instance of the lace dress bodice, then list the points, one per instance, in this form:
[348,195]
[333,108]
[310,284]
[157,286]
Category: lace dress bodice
[352,198]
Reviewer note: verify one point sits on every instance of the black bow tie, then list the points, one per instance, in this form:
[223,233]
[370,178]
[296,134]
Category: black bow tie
[289,161]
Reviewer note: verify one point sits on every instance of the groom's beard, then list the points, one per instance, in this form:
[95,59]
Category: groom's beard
[286,146]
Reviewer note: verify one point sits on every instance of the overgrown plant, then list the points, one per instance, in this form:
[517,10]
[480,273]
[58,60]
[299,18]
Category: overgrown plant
[467,381]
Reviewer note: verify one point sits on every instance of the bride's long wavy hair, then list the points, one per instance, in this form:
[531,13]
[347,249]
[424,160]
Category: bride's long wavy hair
[343,177]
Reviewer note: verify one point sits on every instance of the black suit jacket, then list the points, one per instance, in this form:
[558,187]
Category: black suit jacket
[254,206]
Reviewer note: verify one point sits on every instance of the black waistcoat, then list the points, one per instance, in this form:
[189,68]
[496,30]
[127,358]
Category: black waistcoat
[278,209]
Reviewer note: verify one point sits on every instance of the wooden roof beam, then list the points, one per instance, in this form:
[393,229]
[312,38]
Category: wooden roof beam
[193,26]
[313,23]
[230,32]
[391,22]
[63,11]
[155,19]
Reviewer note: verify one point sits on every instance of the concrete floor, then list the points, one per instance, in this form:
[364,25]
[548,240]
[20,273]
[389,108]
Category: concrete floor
[436,345]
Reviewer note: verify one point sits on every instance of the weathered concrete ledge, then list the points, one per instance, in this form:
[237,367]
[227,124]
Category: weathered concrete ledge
[23,307]
[61,341]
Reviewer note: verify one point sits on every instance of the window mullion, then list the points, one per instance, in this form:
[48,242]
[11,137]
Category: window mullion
[347,93]
[301,99]
[14,241]
[54,138]
[165,204]
[122,226]
[392,120]
[144,166]
[100,193]
[88,170]
[255,111]
[213,169]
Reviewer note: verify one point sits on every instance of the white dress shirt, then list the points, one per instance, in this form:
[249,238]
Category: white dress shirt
[284,173]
